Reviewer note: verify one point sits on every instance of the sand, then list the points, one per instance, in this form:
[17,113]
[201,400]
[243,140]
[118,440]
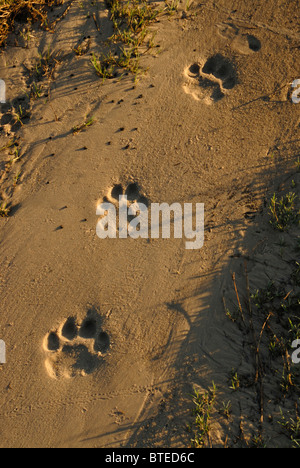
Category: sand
[106,339]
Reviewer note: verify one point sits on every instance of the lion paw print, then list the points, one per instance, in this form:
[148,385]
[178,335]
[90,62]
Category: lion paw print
[132,191]
[212,81]
[133,195]
[76,349]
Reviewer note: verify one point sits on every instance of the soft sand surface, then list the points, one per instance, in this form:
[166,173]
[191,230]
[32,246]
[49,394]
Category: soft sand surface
[159,306]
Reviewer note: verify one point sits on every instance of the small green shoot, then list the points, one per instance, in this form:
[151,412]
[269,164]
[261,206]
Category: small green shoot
[4,211]
[284,212]
[203,407]
[80,128]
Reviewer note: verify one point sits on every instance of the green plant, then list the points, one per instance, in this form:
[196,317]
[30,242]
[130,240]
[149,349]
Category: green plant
[107,66]
[286,382]
[82,48]
[131,22]
[26,34]
[17,178]
[284,212]
[294,328]
[231,317]
[87,123]
[43,67]
[4,211]
[264,296]
[235,381]
[292,428]
[15,155]
[226,410]
[104,66]
[19,114]
[11,143]
[36,91]
[172,6]
[188,5]
[202,411]
[133,16]
[258,442]
[276,346]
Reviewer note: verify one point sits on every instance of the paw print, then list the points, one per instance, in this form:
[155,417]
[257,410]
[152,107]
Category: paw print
[133,194]
[76,349]
[242,43]
[212,81]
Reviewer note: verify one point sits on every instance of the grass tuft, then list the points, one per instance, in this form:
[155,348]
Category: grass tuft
[4,211]
[284,212]
[86,124]
[12,10]
[132,21]
[204,404]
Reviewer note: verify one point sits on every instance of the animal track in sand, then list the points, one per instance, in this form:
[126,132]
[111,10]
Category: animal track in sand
[15,114]
[242,43]
[76,349]
[212,81]
[133,193]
